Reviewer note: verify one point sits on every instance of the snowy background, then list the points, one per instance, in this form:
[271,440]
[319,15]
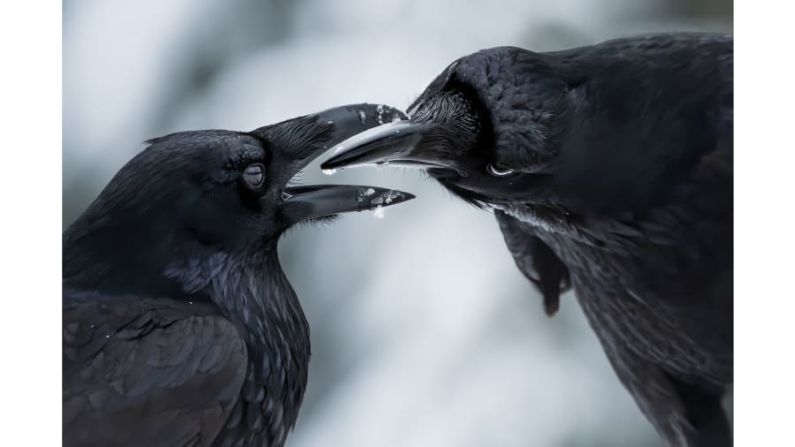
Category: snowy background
[444,343]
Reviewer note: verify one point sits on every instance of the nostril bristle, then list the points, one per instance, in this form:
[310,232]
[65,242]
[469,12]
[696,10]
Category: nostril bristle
[297,179]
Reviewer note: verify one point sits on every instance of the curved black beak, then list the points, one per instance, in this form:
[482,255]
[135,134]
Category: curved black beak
[444,127]
[352,119]
[314,201]
[394,143]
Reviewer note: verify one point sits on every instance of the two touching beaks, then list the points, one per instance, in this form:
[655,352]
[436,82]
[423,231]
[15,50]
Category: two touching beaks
[314,201]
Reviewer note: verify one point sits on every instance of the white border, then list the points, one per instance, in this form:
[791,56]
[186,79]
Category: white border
[30,172]
[764,224]
[30,81]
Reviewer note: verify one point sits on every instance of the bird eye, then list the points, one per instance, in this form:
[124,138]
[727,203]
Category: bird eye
[254,175]
[498,171]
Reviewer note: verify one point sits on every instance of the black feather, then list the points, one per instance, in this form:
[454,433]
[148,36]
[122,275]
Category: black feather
[619,175]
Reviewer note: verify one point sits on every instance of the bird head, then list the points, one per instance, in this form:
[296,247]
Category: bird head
[599,129]
[488,128]
[192,196]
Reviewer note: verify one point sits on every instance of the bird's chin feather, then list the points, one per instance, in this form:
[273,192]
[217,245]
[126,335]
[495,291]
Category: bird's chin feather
[325,220]
[315,221]
[467,196]
[297,179]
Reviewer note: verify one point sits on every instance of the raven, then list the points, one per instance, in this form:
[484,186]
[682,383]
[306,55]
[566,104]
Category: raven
[609,170]
[179,325]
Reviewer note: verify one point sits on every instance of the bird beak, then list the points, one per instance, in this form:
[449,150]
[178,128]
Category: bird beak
[350,121]
[314,201]
[393,143]
[400,143]
[356,118]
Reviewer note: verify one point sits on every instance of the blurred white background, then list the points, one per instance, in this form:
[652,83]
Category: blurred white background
[424,333]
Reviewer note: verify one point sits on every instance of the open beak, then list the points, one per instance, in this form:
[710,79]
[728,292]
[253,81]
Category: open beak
[314,201]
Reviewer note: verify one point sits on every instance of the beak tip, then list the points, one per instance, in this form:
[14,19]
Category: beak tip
[386,197]
[403,197]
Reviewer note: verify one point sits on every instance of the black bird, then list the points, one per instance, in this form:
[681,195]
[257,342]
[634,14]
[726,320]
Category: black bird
[609,169]
[179,325]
